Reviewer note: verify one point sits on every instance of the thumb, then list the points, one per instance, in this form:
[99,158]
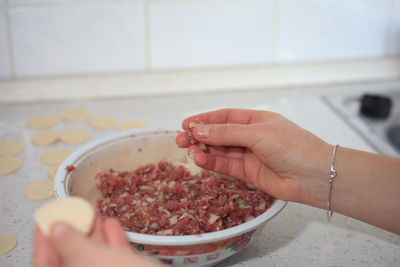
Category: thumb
[239,135]
[68,242]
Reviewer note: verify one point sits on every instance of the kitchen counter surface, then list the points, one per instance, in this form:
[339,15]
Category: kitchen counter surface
[298,236]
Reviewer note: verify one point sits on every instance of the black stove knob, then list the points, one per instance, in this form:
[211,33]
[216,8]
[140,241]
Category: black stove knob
[375,106]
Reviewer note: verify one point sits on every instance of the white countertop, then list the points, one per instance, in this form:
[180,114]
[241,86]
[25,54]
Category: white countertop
[298,236]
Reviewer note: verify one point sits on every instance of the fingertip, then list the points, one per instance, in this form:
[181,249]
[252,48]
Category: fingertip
[185,123]
[181,140]
[114,233]
[200,158]
[197,155]
[58,229]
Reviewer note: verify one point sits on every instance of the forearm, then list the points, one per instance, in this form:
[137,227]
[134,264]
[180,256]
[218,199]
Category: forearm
[367,187]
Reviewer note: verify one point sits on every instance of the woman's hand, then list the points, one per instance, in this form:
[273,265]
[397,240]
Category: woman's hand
[259,147]
[290,163]
[106,246]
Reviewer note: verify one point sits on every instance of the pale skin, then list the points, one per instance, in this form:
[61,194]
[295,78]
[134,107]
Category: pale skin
[267,150]
[105,246]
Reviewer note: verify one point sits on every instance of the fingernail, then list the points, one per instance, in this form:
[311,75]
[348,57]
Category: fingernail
[202,131]
[59,229]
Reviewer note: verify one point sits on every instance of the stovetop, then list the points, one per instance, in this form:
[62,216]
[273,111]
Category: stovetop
[382,134]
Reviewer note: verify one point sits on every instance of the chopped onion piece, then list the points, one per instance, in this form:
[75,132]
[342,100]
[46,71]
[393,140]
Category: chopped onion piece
[171,184]
[173,220]
[202,146]
[213,218]
[154,225]
[261,206]
[165,232]
[145,187]
[165,211]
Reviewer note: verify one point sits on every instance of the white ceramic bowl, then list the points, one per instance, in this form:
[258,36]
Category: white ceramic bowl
[131,149]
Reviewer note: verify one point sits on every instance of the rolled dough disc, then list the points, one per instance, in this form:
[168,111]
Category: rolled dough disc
[39,190]
[128,125]
[73,210]
[42,121]
[75,114]
[75,136]
[7,243]
[9,164]
[46,137]
[10,147]
[55,156]
[102,122]
[53,171]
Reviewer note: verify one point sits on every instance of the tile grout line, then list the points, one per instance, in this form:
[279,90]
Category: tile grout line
[275,34]
[388,37]
[147,36]
[9,42]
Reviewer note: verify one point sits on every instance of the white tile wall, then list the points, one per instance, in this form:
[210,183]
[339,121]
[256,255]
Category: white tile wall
[79,39]
[67,37]
[209,33]
[5,71]
[50,2]
[394,45]
[323,30]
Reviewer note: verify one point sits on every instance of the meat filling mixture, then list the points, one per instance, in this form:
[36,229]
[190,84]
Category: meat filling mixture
[165,199]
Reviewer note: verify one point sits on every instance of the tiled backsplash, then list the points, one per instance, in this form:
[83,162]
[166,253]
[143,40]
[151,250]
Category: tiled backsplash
[40,38]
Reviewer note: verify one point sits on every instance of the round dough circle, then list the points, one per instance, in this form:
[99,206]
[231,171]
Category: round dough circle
[53,171]
[75,211]
[55,156]
[10,147]
[42,121]
[7,243]
[102,122]
[9,164]
[46,137]
[128,125]
[75,136]
[75,114]
[39,190]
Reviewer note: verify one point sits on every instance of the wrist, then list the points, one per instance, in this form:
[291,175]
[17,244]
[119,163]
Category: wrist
[314,183]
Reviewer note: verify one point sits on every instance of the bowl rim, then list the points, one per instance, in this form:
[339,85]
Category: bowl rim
[183,240]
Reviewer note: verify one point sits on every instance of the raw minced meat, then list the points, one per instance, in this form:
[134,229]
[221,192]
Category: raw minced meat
[167,200]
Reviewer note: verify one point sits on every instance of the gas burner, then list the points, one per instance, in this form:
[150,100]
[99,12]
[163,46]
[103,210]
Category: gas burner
[374,115]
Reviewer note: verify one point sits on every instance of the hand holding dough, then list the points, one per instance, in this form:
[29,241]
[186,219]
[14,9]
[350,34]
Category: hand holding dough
[73,210]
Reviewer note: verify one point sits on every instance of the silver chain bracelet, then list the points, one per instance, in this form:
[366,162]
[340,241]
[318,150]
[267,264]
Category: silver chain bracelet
[332,175]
